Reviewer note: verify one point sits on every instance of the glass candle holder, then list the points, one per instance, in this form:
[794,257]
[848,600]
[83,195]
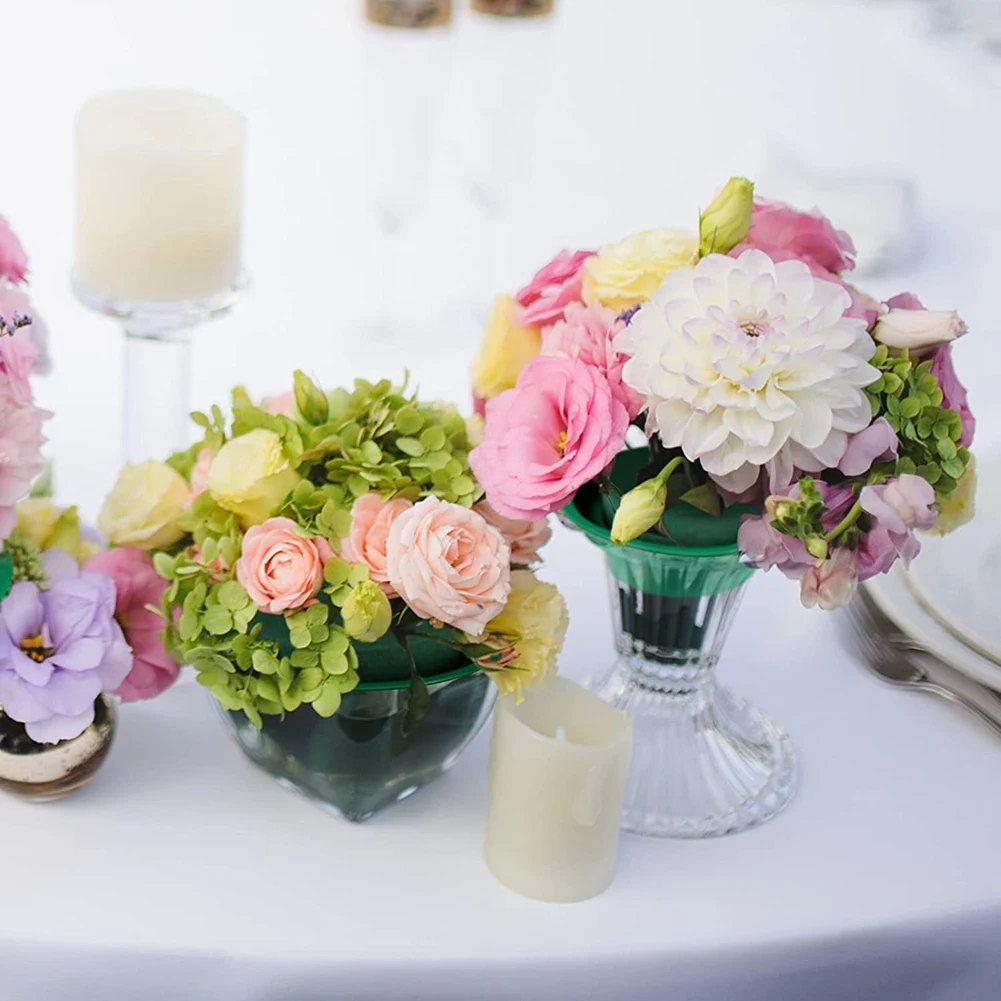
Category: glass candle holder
[158,235]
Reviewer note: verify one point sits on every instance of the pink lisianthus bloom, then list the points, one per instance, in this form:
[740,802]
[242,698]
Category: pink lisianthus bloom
[831,584]
[953,392]
[449,565]
[25,350]
[785,233]
[21,443]
[137,585]
[525,538]
[877,441]
[279,569]
[558,428]
[371,519]
[13,259]
[895,508]
[588,333]
[554,287]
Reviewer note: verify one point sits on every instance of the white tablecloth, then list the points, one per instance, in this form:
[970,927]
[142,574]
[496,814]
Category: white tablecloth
[182,872]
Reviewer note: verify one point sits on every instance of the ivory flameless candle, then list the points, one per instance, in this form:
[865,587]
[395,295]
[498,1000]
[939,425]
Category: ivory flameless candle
[159,209]
[558,768]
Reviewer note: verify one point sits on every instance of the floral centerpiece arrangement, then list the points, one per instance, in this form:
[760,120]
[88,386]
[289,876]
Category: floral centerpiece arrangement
[784,419]
[74,626]
[332,554]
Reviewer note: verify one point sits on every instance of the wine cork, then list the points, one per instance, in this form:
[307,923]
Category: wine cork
[513,8]
[409,13]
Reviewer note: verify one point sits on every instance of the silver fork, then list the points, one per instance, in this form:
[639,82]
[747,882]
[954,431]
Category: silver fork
[897,659]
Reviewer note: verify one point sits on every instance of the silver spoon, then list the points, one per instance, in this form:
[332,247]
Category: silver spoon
[902,667]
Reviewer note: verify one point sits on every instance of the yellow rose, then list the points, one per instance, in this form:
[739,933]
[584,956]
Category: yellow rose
[36,518]
[144,505]
[627,273]
[251,477]
[506,349]
[960,506]
[535,621]
[48,526]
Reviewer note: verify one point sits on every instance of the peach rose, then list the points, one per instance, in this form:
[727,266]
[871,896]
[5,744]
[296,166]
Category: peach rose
[371,519]
[447,563]
[525,538]
[278,568]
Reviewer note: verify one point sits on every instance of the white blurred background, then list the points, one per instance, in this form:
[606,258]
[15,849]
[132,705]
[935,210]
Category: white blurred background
[410,175]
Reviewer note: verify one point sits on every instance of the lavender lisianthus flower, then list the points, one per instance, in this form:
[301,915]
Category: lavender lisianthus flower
[59,649]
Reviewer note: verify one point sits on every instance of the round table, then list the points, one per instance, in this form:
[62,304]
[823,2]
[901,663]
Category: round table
[183,872]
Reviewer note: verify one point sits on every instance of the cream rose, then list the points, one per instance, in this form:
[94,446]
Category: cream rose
[628,272]
[447,563]
[507,347]
[251,477]
[144,505]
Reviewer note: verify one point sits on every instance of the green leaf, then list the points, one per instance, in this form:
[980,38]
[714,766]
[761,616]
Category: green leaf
[954,468]
[433,438]
[232,596]
[371,453]
[299,637]
[703,498]
[333,662]
[328,701]
[410,446]
[408,421]
[357,574]
[217,620]
[336,570]
[305,658]
[164,564]
[188,627]
[418,703]
[910,408]
[267,689]
[264,661]
[947,448]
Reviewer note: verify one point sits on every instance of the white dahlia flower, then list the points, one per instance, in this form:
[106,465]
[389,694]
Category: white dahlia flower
[748,364]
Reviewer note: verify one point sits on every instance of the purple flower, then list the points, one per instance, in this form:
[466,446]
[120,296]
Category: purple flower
[59,649]
[877,441]
[895,508]
[953,392]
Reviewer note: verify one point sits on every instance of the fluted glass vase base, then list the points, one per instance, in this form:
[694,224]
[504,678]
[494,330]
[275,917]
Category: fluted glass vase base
[705,763]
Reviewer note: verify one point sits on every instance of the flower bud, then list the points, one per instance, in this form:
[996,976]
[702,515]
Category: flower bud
[816,546]
[639,510]
[727,219]
[367,613]
[309,400]
[918,329]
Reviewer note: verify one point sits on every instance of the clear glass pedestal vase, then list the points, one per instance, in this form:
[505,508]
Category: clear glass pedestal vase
[705,762]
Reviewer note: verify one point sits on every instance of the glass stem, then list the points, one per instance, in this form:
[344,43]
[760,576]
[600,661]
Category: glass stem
[157,393]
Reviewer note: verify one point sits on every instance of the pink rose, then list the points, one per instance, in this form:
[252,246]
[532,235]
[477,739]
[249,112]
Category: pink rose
[371,519]
[32,341]
[525,538]
[283,404]
[552,289]
[199,478]
[278,568]
[448,564]
[953,392]
[877,441]
[558,428]
[13,259]
[587,333]
[21,442]
[832,584]
[137,585]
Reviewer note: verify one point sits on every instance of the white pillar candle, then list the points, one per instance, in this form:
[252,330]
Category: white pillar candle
[558,767]
[159,178]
